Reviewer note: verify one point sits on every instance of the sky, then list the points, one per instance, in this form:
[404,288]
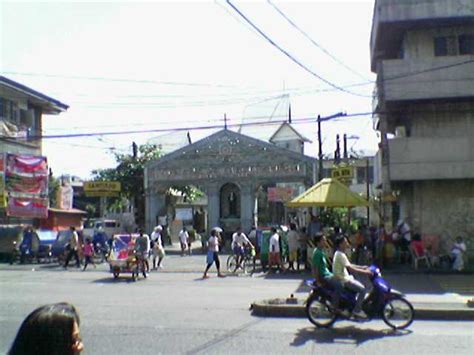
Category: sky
[166,68]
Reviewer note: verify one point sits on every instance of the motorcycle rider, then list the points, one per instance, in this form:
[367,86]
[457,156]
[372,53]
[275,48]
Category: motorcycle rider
[341,266]
[321,270]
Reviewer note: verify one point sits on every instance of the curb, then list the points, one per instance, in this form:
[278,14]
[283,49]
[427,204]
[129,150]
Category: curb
[284,310]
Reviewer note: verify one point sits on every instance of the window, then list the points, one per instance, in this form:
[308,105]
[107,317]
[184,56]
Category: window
[466,44]
[9,110]
[361,175]
[445,45]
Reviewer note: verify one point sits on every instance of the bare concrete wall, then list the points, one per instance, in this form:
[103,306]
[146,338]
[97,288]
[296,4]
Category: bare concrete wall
[444,208]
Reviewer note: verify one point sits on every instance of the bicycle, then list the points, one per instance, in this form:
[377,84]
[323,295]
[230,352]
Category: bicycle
[247,264]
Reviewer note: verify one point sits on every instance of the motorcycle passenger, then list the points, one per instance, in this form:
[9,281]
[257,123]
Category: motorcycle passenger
[239,241]
[321,270]
[142,249]
[341,266]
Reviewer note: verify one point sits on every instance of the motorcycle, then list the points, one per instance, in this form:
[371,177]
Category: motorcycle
[382,302]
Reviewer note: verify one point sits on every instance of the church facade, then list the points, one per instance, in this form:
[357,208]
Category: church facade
[230,168]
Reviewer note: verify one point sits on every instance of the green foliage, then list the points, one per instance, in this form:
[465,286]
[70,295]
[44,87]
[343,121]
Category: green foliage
[338,217]
[90,209]
[130,173]
[53,188]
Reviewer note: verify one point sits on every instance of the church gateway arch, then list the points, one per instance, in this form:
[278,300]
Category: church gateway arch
[229,168]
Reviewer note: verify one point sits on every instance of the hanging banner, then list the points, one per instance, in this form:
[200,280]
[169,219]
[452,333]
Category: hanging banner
[36,185]
[26,185]
[26,165]
[27,207]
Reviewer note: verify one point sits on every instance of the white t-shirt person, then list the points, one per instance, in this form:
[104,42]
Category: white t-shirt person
[213,244]
[339,267]
[184,236]
[239,239]
[274,243]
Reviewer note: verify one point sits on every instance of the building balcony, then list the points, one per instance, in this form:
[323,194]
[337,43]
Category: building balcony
[450,82]
[391,18]
[415,158]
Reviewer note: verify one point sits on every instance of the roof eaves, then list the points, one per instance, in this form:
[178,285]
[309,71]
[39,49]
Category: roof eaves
[57,105]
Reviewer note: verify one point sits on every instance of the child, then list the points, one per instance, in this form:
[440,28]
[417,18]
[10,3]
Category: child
[88,250]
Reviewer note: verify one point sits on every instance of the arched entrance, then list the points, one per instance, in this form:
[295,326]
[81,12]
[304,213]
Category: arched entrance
[230,201]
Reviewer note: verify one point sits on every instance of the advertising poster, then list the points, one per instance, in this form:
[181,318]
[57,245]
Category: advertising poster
[26,185]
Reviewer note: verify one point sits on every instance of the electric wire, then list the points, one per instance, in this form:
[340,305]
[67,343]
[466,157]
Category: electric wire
[177,129]
[292,58]
[292,23]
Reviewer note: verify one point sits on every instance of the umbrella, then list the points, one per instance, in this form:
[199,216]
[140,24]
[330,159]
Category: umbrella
[328,193]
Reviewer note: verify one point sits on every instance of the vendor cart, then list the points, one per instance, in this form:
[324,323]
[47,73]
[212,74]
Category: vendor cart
[122,258]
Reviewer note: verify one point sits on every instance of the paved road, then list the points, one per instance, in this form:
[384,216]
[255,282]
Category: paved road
[177,312]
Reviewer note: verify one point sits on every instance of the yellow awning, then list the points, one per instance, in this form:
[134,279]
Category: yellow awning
[328,193]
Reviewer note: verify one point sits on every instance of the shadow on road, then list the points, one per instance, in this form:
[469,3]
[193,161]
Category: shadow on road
[343,335]
[119,280]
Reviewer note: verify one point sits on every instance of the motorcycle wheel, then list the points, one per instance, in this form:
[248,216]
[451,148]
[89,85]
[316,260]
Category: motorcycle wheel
[398,313]
[319,312]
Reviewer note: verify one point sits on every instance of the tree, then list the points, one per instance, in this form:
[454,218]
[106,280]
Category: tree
[130,173]
[53,188]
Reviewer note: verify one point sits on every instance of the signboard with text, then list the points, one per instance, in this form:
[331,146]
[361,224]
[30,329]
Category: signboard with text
[342,173]
[102,188]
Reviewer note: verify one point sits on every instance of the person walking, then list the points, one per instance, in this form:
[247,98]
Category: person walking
[88,251]
[73,248]
[213,253]
[293,246]
[457,253]
[274,257]
[158,251]
[183,240]
[142,249]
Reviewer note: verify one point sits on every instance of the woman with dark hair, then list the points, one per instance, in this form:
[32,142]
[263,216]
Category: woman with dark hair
[50,330]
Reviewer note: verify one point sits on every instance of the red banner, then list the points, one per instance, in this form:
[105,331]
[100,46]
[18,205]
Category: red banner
[26,183]
[37,185]
[27,207]
[280,194]
[26,164]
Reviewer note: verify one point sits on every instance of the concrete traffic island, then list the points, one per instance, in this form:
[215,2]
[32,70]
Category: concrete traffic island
[295,308]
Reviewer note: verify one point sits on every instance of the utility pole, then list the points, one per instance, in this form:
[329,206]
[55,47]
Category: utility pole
[320,153]
[368,189]
[320,142]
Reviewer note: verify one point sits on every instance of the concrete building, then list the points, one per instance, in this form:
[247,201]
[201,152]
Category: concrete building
[423,55]
[21,111]
[21,122]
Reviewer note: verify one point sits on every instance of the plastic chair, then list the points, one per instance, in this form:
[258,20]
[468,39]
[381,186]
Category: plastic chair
[417,258]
